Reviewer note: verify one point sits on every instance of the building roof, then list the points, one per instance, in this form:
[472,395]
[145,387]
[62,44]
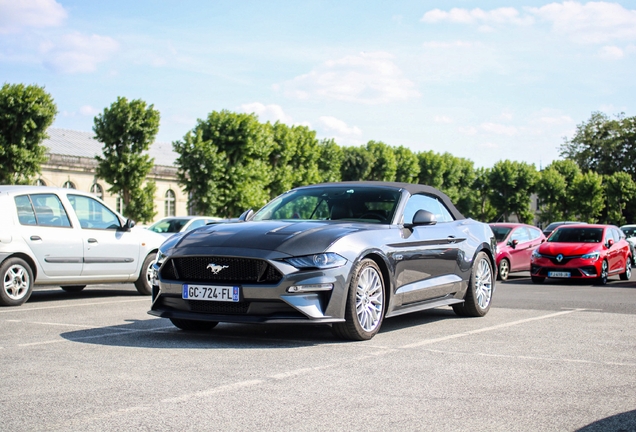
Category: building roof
[83,144]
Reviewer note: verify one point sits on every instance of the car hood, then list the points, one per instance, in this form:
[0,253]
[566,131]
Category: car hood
[292,238]
[556,248]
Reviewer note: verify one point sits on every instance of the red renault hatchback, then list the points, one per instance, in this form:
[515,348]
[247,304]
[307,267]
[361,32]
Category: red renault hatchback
[515,244]
[582,252]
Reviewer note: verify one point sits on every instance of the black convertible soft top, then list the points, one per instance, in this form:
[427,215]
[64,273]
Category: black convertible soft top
[409,187]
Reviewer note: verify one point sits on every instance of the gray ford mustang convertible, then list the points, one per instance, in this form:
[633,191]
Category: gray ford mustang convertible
[343,254]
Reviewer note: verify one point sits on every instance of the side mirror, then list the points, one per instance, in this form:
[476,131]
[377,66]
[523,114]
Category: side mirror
[128,225]
[422,217]
[246,216]
[514,243]
[610,243]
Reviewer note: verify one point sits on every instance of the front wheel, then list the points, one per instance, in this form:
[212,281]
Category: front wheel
[17,282]
[628,270]
[480,289]
[364,310]
[190,325]
[144,282]
[504,269]
[602,278]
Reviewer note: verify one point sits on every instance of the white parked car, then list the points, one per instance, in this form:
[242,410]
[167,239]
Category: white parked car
[65,237]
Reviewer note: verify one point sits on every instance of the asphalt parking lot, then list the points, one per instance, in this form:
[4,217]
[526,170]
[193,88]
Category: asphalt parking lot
[552,357]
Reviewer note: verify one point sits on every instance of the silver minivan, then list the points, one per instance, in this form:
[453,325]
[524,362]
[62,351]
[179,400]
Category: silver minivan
[69,238]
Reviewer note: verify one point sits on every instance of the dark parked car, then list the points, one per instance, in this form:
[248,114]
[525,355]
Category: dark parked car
[583,252]
[554,225]
[344,254]
[515,244]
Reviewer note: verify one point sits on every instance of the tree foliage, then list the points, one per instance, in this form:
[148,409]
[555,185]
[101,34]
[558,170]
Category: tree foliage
[384,164]
[590,202]
[126,130]
[620,191]
[511,186]
[26,112]
[408,167]
[330,161]
[357,164]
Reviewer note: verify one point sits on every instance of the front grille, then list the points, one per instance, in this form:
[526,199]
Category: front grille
[230,270]
[221,308]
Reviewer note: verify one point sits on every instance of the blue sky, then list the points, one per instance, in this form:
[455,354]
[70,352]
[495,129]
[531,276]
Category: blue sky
[484,80]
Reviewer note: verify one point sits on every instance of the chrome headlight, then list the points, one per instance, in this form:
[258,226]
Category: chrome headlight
[317,261]
[591,256]
[536,254]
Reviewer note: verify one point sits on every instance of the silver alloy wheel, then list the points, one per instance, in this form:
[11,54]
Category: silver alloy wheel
[504,269]
[369,299]
[150,273]
[483,283]
[628,270]
[16,282]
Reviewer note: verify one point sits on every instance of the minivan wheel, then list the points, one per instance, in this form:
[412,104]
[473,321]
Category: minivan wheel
[17,282]
[144,282]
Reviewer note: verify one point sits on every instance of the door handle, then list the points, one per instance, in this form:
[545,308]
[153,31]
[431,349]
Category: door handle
[36,238]
[92,240]
[451,239]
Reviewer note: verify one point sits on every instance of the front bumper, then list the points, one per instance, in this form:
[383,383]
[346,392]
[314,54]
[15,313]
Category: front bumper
[578,268]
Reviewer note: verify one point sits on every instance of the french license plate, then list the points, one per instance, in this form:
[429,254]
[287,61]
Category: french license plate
[210,293]
[559,274]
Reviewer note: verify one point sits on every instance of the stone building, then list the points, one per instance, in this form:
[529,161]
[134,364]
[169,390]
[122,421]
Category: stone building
[71,163]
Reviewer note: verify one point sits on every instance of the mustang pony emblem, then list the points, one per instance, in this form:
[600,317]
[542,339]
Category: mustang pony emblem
[215,268]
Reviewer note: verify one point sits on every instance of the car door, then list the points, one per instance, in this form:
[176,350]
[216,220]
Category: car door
[109,251]
[46,228]
[613,252]
[427,260]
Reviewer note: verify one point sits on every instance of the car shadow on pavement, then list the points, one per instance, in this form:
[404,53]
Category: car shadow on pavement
[160,333]
[612,282]
[55,293]
[620,422]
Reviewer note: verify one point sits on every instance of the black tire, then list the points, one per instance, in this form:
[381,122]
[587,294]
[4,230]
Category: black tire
[628,269]
[602,278]
[17,282]
[73,288]
[190,325]
[537,279]
[504,269]
[367,290]
[143,285]
[478,296]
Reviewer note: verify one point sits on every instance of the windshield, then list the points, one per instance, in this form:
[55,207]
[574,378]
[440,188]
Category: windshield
[629,232]
[576,235]
[357,203]
[500,232]
[168,225]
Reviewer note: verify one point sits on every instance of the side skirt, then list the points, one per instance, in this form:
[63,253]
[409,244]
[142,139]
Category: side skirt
[428,304]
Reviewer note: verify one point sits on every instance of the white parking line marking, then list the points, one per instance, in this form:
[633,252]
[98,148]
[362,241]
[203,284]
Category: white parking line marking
[24,309]
[487,329]
[214,390]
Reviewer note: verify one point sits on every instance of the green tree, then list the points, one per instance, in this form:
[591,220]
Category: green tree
[551,189]
[294,158]
[384,162]
[482,209]
[126,130]
[589,188]
[408,167]
[26,112]
[357,163]
[330,161]
[604,145]
[432,168]
[458,177]
[511,186]
[244,146]
[620,191]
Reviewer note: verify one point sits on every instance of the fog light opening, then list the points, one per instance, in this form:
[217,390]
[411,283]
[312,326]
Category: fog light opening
[309,288]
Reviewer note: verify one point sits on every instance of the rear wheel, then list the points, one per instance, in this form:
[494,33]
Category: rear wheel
[17,282]
[537,279]
[73,288]
[479,293]
[628,270]
[504,269]
[602,278]
[190,325]
[364,310]
[144,282]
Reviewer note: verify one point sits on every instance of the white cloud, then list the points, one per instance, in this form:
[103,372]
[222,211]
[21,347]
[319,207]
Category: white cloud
[442,119]
[88,110]
[370,78]
[271,113]
[78,53]
[498,129]
[505,15]
[592,22]
[467,130]
[339,127]
[611,53]
[16,15]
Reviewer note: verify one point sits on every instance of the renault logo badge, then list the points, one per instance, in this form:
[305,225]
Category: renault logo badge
[559,258]
[215,268]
